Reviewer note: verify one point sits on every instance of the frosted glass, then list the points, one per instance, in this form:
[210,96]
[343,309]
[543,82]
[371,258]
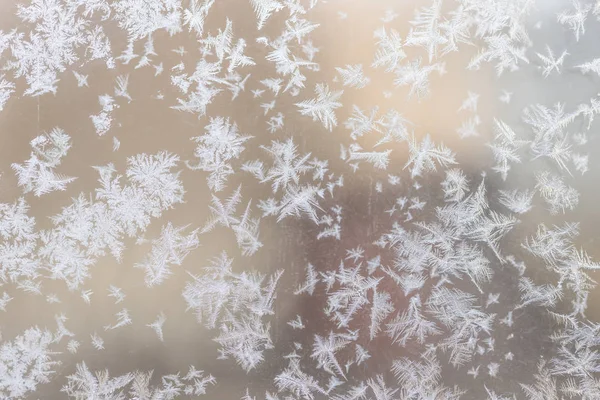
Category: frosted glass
[299,199]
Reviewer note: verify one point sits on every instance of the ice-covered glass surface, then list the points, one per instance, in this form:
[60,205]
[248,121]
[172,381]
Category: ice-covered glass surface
[299,199]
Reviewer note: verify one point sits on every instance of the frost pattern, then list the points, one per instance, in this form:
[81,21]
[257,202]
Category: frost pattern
[37,173]
[306,199]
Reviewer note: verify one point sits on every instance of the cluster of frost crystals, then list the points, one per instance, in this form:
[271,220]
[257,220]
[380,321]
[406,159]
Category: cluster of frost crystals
[170,248]
[37,173]
[19,240]
[239,304]
[25,362]
[221,143]
[85,385]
